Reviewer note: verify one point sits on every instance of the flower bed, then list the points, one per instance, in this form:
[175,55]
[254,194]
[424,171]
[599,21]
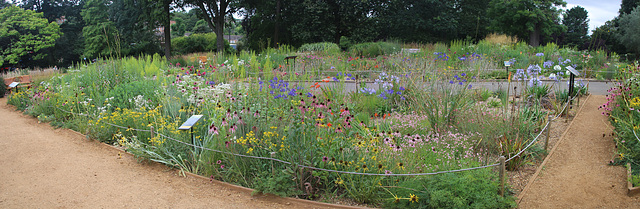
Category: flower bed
[385,146]
[623,109]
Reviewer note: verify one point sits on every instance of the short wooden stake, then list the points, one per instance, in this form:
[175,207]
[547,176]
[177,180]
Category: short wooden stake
[502,172]
[273,171]
[546,141]
[152,134]
[356,88]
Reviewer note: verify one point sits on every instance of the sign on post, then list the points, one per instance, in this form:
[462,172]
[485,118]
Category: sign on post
[190,122]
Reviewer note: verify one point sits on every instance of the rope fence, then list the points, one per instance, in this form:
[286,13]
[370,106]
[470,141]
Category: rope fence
[502,162]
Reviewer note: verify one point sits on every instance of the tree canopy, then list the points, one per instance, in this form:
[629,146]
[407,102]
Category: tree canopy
[630,30]
[24,33]
[577,22]
[526,18]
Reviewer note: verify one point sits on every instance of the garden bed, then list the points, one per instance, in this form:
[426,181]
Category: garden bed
[398,143]
[631,190]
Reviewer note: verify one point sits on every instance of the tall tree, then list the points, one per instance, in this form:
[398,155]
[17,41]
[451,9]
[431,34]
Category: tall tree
[23,34]
[136,32]
[4,3]
[69,47]
[577,22]
[626,6]
[472,19]
[526,18]
[99,32]
[158,12]
[630,30]
[214,13]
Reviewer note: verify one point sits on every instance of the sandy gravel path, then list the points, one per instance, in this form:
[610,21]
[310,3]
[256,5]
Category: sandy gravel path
[576,174]
[42,167]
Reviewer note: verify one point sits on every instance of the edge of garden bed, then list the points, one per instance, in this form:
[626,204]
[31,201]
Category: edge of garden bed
[283,200]
[546,159]
[631,191]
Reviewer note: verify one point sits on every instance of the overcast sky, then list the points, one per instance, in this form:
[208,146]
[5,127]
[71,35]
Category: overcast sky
[599,11]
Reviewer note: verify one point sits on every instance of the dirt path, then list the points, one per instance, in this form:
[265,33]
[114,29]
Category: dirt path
[576,174]
[41,167]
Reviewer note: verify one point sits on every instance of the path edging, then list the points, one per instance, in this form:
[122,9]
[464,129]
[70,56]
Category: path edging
[546,159]
[226,184]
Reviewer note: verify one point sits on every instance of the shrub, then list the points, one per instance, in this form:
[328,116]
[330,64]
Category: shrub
[3,88]
[374,49]
[325,47]
[474,189]
[204,42]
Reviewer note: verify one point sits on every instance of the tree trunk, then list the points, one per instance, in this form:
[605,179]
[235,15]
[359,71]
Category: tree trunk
[534,37]
[219,30]
[167,30]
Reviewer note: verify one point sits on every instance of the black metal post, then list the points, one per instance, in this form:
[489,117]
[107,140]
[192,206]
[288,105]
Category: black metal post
[571,81]
[507,73]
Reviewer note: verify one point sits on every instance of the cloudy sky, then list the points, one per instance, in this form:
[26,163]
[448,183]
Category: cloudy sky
[599,11]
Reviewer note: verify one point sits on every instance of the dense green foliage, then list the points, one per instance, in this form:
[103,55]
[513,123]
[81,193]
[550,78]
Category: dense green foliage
[577,22]
[526,18]
[3,88]
[203,42]
[630,30]
[99,33]
[623,109]
[23,34]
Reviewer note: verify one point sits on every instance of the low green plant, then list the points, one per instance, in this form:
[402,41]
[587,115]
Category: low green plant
[472,189]
[509,147]
[323,47]
[3,88]
[494,102]
[374,49]
[539,91]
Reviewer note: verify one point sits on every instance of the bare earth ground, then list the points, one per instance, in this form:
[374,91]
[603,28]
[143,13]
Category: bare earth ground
[42,167]
[576,174]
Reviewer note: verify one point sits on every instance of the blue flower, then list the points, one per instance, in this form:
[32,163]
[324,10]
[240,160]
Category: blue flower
[539,54]
[401,88]
[451,82]
[463,74]
[461,83]
[309,94]
[390,91]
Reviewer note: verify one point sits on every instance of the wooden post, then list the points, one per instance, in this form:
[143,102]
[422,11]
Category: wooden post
[152,134]
[273,171]
[566,113]
[546,141]
[356,83]
[502,172]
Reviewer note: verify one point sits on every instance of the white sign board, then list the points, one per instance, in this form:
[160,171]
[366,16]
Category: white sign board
[573,71]
[507,63]
[14,84]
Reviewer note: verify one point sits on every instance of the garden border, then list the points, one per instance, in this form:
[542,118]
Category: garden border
[225,184]
[631,191]
[546,159]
